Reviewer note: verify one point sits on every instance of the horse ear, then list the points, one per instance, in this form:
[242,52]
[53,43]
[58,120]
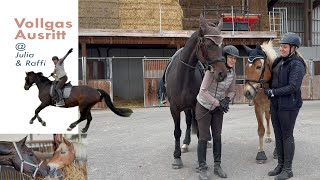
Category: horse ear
[23,141]
[68,143]
[202,26]
[248,50]
[219,27]
[258,46]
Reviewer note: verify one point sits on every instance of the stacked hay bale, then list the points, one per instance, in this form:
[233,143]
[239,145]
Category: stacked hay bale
[260,7]
[145,14]
[99,14]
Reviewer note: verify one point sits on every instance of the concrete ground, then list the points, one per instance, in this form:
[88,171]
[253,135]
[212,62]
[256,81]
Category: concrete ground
[141,146]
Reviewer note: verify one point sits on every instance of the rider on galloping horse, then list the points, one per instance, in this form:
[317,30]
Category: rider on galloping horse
[60,76]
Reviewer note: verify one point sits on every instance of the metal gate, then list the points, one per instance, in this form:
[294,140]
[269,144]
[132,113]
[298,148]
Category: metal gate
[96,72]
[152,72]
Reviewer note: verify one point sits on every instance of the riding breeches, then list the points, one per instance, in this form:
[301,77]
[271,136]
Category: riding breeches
[205,119]
[283,122]
[61,82]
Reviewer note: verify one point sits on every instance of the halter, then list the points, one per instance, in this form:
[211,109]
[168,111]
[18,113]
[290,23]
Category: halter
[204,49]
[37,166]
[261,80]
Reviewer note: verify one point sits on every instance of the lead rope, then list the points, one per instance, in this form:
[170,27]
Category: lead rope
[215,94]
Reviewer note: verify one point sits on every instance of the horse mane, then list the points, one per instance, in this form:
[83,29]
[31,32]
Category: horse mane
[43,79]
[268,48]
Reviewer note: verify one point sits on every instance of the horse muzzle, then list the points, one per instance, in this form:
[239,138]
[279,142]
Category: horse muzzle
[249,92]
[26,87]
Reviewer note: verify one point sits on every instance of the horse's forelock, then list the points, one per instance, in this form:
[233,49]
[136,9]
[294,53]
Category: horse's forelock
[268,48]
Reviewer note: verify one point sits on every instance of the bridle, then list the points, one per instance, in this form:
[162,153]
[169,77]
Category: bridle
[261,80]
[37,166]
[201,46]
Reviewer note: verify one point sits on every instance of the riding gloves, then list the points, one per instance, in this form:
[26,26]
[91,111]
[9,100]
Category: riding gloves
[224,104]
[269,93]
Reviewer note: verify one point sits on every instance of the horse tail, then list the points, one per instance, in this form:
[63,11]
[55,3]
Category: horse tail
[124,112]
[194,123]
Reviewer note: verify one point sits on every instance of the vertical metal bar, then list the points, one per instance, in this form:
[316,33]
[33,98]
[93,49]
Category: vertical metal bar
[111,78]
[160,19]
[232,21]
[144,86]
[274,22]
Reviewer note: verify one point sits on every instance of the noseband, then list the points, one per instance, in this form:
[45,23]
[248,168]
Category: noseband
[204,50]
[37,166]
[261,80]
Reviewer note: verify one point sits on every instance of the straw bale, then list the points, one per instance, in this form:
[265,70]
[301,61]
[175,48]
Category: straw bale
[96,23]
[148,1]
[71,172]
[146,16]
[99,14]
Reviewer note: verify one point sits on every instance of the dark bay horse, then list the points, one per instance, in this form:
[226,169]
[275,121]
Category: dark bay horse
[22,158]
[258,74]
[83,96]
[183,77]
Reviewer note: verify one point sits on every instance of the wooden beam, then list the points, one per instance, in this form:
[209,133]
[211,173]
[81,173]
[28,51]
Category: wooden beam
[271,4]
[166,42]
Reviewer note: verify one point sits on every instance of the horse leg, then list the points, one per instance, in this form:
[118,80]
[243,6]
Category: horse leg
[177,163]
[89,118]
[187,138]
[261,156]
[36,115]
[83,116]
[268,138]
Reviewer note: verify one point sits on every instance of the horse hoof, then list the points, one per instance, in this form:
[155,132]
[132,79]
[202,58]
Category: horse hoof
[31,122]
[184,148]
[261,157]
[209,145]
[84,131]
[43,123]
[268,140]
[177,163]
[69,129]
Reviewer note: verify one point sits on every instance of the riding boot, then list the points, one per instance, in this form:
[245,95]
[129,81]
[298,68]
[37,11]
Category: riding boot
[60,101]
[278,169]
[288,149]
[217,161]
[202,156]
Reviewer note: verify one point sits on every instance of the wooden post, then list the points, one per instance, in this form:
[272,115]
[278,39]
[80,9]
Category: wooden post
[307,23]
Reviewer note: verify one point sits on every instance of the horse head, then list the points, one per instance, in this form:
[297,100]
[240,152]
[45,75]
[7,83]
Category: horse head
[209,50]
[34,78]
[258,68]
[63,156]
[19,156]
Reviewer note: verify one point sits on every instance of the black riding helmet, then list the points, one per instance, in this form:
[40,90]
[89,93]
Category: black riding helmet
[55,58]
[291,39]
[231,50]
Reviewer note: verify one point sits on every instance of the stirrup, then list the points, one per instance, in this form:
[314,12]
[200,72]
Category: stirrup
[60,103]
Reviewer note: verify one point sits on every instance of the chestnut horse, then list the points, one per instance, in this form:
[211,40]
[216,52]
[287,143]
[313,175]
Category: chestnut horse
[22,158]
[66,153]
[258,74]
[183,77]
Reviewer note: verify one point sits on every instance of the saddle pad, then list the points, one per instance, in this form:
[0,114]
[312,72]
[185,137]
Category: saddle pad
[169,66]
[66,90]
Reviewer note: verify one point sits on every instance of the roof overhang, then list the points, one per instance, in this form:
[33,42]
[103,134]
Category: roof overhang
[170,38]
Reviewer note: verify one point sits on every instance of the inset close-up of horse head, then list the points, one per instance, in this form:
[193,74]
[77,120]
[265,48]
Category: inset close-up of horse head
[44,158]
[160,90]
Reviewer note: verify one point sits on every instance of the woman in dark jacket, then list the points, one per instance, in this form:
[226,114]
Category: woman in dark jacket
[288,71]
